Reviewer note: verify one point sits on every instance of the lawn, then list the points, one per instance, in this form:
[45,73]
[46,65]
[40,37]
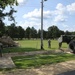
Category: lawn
[39,60]
[33,45]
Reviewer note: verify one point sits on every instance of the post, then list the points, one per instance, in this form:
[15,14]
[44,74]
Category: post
[42,24]
[0,49]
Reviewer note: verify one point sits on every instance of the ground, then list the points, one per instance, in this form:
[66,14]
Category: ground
[55,69]
[63,68]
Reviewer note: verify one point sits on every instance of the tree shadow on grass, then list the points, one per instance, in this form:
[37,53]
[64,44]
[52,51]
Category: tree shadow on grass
[18,49]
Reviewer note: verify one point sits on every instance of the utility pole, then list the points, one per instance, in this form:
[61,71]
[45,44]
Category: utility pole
[42,23]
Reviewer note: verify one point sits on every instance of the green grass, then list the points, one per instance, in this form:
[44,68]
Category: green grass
[33,45]
[39,60]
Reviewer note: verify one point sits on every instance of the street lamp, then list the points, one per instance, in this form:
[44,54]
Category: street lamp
[42,23]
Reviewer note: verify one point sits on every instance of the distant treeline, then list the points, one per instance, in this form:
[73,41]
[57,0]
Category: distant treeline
[18,32]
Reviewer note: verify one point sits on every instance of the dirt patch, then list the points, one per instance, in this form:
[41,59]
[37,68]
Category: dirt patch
[54,69]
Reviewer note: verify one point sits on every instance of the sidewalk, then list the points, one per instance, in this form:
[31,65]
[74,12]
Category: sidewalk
[32,53]
[64,68]
[6,62]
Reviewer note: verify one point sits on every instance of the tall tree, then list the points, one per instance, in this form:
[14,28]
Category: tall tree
[11,30]
[9,14]
[21,32]
[44,34]
[53,32]
[2,28]
[61,32]
[67,33]
[33,33]
[28,32]
[39,33]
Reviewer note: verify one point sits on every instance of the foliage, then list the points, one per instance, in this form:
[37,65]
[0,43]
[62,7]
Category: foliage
[39,33]
[4,3]
[28,30]
[9,14]
[53,32]
[11,30]
[20,32]
[31,33]
[2,28]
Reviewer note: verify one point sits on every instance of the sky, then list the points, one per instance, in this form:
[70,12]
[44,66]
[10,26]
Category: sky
[60,13]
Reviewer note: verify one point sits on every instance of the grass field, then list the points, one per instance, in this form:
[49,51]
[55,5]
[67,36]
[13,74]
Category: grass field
[34,45]
[39,60]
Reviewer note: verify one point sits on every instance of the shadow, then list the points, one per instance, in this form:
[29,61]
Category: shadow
[62,50]
[52,48]
[18,49]
[68,73]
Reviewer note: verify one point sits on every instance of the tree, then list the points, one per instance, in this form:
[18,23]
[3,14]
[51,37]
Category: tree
[2,28]
[3,5]
[61,33]
[73,33]
[53,32]
[67,33]
[33,33]
[12,30]
[39,33]
[21,32]
[44,34]
[9,14]
[28,32]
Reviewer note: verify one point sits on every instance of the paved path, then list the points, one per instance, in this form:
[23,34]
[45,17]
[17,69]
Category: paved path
[64,68]
[34,53]
[26,53]
[6,62]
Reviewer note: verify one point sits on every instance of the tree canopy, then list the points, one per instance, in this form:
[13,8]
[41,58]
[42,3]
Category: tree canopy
[9,14]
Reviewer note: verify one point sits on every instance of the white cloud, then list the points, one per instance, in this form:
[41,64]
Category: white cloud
[60,14]
[68,29]
[59,6]
[65,26]
[21,2]
[34,19]
[30,24]
[60,18]
[35,24]
[60,9]
[36,14]
[71,8]
[32,15]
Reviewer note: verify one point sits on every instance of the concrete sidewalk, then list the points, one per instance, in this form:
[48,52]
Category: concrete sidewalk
[6,62]
[64,68]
